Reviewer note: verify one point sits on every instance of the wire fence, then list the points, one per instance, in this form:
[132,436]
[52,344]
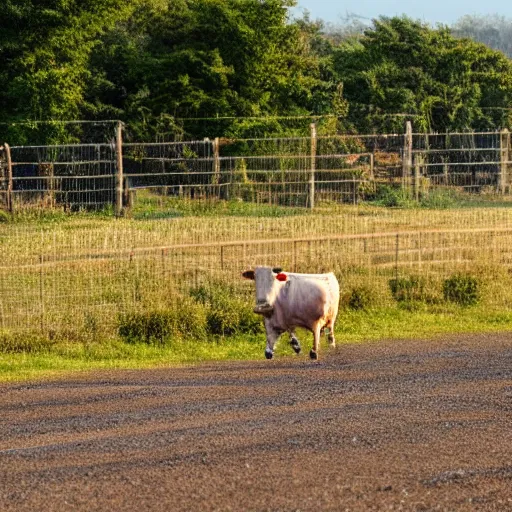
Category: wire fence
[68,281]
[293,171]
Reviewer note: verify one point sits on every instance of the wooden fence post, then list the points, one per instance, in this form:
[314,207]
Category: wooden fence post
[313,167]
[372,167]
[407,158]
[418,162]
[119,173]
[504,160]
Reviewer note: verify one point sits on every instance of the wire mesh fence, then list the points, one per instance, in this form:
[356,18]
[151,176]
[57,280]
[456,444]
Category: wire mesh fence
[292,171]
[67,176]
[62,280]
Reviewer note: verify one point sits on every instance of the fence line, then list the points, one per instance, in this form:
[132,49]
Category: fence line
[290,171]
[68,292]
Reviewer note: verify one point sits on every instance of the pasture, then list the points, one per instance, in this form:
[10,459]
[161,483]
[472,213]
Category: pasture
[91,291]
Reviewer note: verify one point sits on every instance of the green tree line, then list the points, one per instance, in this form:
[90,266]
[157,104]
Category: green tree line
[223,65]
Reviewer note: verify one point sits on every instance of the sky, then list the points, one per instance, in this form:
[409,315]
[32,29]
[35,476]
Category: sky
[431,11]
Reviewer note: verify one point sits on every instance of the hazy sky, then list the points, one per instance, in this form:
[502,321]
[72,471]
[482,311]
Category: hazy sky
[432,11]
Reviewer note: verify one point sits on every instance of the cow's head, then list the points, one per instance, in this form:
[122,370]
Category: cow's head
[265,279]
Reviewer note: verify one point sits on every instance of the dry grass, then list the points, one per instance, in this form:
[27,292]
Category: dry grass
[76,276]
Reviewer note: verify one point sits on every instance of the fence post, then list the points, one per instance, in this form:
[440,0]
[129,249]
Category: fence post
[216,167]
[10,205]
[504,160]
[372,167]
[119,173]
[313,167]
[418,161]
[407,158]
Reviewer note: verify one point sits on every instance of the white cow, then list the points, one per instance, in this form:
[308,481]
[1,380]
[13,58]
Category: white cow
[288,300]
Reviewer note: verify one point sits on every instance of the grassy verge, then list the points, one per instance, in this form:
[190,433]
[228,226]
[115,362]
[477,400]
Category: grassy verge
[353,327]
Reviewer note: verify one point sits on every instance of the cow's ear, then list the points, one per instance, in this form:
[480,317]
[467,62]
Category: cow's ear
[248,274]
[277,270]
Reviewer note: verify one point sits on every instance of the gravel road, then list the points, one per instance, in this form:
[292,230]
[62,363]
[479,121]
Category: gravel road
[394,425]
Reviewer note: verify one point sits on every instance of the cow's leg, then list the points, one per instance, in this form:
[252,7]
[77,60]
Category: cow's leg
[272,336]
[316,341]
[294,342]
[329,331]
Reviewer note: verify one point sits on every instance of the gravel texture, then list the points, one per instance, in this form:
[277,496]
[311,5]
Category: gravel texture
[394,425]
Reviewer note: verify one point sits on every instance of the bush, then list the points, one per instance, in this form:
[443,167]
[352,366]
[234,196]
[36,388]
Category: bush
[226,314]
[360,298]
[388,196]
[410,288]
[461,289]
[188,320]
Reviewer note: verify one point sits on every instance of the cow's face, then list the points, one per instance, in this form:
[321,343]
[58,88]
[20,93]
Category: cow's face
[266,279]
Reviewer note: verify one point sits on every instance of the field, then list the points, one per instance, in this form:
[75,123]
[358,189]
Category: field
[163,285]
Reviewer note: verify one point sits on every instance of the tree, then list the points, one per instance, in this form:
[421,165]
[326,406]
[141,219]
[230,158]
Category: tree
[212,58]
[405,69]
[45,46]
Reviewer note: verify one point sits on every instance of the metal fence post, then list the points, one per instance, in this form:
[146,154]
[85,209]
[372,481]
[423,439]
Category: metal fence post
[407,158]
[504,160]
[313,167]
[119,173]
[10,204]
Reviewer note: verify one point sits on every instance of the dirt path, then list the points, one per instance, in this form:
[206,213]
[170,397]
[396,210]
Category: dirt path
[409,425]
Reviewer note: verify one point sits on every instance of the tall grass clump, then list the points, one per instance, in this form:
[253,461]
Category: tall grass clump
[226,313]
[462,289]
[210,311]
[159,327]
[360,298]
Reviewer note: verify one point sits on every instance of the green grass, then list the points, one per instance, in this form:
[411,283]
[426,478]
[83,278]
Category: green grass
[423,321]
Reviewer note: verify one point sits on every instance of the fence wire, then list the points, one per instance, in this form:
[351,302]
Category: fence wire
[293,171]
[65,281]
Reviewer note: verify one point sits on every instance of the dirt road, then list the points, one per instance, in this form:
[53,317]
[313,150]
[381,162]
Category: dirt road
[408,425]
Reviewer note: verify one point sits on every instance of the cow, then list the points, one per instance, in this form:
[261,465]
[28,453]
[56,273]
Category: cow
[289,300]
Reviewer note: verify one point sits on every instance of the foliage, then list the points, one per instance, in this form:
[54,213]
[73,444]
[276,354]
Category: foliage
[160,327]
[361,298]
[402,69]
[462,289]
[226,314]
[406,289]
[388,196]
[240,68]
[45,48]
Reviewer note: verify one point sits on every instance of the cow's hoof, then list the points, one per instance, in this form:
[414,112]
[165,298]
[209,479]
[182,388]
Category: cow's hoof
[313,355]
[269,354]
[295,345]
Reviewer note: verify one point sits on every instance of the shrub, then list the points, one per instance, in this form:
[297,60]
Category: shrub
[389,196]
[360,298]
[226,314]
[410,288]
[461,289]
[188,320]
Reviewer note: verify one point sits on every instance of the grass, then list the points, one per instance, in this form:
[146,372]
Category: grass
[86,291]
[62,359]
